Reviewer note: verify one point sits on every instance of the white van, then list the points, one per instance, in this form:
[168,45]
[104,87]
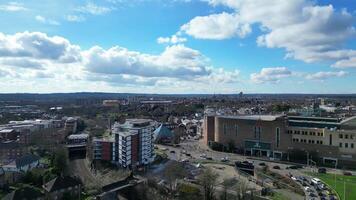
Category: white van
[315,181]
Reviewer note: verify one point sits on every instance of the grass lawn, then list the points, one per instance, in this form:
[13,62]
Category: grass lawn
[350,184]
[279,196]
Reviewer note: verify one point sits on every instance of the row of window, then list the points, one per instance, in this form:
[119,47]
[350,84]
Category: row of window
[346,136]
[307,141]
[346,145]
[257,132]
[298,132]
[236,128]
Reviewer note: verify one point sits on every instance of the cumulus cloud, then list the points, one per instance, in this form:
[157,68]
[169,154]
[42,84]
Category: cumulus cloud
[35,55]
[175,61]
[39,46]
[13,7]
[91,8]
[270,75]
[23,63]
[216,26]
[174,39]
[307,31]
[325,75]
[46,21]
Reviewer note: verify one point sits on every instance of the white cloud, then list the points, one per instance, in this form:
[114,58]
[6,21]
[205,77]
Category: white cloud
[270,75]
[94,9]
[346,63]
[174,39]
[23,63]
[75,18]
[325,75]
[307,31]
[12,7]
[216,26]
[39,46]
[30,57]
[175,61]
[46,21]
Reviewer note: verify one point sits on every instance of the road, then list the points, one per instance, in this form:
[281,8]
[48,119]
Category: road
[196,149]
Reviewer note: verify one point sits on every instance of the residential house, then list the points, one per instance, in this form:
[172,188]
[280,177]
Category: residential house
[57,187]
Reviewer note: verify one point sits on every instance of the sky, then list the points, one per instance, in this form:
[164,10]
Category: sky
[178,46]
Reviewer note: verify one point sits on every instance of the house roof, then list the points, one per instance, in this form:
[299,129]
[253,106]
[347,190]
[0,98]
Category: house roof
[61,183]
[26,192]
[162,132]
[26,160]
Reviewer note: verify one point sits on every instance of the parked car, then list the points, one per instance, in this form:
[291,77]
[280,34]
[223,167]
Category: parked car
[347,173]
[262,164]
[295,167]
[224,159]
[276,167]
[203,155]
[209,158]
[172,151]
[322,170]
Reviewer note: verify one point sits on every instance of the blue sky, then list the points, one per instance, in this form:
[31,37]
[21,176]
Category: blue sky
[178,46]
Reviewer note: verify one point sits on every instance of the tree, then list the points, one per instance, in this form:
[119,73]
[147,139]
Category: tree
[187,191]
[226,184]
[172,172]
[208,179]
[241,189]
[60,162]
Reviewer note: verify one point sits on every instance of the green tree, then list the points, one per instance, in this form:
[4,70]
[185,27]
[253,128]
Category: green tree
[60,162]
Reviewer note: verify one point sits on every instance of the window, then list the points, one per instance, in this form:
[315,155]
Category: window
[346,145]
[278,136]
[351,137]
[340,144]
[340,136]
[346,136]
[330,140]
[236,129]
[224,129]
[352,145]
[258,131]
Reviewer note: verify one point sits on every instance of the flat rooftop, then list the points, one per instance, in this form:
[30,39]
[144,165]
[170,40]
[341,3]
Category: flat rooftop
[253,117]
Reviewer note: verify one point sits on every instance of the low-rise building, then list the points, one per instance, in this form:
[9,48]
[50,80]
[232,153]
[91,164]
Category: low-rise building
[22,164]
[57,187]
[329,140]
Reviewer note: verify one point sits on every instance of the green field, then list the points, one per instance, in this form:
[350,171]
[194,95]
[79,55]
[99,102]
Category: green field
[350,184]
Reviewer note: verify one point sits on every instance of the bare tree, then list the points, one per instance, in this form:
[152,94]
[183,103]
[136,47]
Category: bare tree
[241,189]
[226,184]
[172,172]
[208,179]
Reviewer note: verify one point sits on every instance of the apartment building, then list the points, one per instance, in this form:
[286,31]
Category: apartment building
[103,149]
[129,145]
[332,140]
